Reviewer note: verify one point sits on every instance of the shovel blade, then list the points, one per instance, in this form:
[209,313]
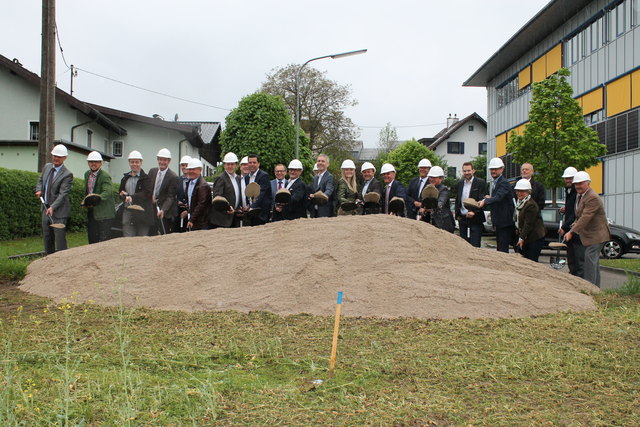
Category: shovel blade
[59,226]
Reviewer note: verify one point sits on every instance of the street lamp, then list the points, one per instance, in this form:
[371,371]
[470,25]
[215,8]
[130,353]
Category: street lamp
[334,56]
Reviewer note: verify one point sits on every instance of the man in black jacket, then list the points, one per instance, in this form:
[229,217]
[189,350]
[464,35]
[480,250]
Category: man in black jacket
[414,201]
[569,212]
[470,221]
[265,198]
[501,205]
[537,189]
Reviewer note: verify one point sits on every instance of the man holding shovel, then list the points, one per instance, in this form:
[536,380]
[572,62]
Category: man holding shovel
[53,189]
[98,200]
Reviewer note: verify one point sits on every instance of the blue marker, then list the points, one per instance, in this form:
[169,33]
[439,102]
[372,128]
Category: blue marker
[340,297]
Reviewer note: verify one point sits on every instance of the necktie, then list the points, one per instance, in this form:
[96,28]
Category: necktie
[159,177]
[386,199]
[578,201]
[279,185]
[91,183]
[493,187]
[49,182]
[420,187]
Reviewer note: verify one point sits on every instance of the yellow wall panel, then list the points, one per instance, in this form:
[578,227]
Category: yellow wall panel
[520,129]
[595,172]
[554,60]
[524,77]
[619,95]
[580,102]
[593,101]
[635,89]
[501,144]
[539,69]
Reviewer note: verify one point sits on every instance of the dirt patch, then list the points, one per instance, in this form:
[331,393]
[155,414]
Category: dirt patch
[386,267]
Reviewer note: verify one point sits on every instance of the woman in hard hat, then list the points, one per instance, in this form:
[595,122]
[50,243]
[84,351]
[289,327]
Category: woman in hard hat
[347,190]
[529,225]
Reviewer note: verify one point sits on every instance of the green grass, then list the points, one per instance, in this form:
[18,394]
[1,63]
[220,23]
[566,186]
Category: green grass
[622,263]
[16,269]
[83,364]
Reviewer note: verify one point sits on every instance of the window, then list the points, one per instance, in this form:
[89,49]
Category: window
[635,12]
[455,147]
[117,148]
[34,131]
[482,148]
[451,172]
[89,137]
[619,19]
[470,128]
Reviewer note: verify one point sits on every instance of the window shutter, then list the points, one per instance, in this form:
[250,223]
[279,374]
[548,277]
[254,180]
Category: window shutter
[462,148]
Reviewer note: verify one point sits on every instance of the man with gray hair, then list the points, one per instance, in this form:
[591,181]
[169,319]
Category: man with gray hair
[322,182]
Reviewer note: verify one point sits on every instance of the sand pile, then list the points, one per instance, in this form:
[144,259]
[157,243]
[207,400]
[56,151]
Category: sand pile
[386,267]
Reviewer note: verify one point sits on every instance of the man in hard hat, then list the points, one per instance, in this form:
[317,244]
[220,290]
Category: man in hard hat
[265,198]
[54,185]
[99,216]
[135,191]
[164,197]
[592,227]
[470,221]
[392,188]
[501,204]
[296,208]
[370,185]
[196,217]
[323,182]
[537,188]
[569,217]
[414,201]
[227,185]
[179,224]
[441,215]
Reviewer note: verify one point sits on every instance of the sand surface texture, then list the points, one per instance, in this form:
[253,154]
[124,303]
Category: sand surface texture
[386,267]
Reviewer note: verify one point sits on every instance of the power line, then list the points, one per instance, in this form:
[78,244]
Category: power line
[60,45]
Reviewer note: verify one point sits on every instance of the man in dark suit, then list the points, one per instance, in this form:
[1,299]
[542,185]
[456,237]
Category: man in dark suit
[100,215]
[179,223]
[227,185]
[392,188]
[279,182]
[136,189]
[569,212]
[323,182]
[470,221]
[54,185]
[198,198]
[370,185]
[537,188]
[164,196]
[500,203]
[296,208]
[265,199]
[414,201]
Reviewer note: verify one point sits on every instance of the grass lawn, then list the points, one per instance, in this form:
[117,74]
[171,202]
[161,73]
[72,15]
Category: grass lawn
[623,263]
[83,364]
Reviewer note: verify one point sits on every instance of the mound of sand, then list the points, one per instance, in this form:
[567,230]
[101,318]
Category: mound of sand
[386,267]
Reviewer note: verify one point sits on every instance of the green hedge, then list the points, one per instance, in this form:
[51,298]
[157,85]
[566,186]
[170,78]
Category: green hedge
[21,208]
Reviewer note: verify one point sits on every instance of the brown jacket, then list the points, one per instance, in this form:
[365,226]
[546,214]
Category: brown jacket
[591,221]
[530,225]
[200,204]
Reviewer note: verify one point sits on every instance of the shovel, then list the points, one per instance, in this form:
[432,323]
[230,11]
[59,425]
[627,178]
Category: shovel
[558,262]
[53,224]
[164,231]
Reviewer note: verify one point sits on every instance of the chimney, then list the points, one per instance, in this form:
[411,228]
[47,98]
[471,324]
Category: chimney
[452,120]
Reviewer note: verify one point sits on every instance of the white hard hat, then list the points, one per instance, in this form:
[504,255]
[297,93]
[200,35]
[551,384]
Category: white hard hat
[387,167]
[581,177]
[496,163]
[295,164]
[424,163]
[436,172]
[230,158]
[94,156]
[60,151]
[569,172]
[315,166]
[348,164]
[245,160]
[367,165]
[185,159]
[523,184]
[194,163]
[135,155]
[164,152]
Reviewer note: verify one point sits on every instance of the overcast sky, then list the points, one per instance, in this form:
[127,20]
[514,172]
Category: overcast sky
[216,52]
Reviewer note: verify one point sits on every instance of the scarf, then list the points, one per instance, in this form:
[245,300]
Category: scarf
[519,206]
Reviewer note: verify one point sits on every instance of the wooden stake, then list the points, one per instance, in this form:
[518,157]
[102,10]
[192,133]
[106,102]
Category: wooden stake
[336,328]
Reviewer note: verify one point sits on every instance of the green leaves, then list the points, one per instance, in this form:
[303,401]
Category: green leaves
[405,159]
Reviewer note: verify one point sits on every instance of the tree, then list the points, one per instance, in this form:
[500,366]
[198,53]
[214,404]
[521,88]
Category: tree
[261,125]
[480,166]
[322,102]
[556,135]
[387,138]
[405,159]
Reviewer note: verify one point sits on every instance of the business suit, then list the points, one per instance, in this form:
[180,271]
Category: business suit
[296,208]
[441,215]
[181,204]
[200,205]
[264,200]
[395,190]
[166,199]
[224,187]
[471,228]
[57,198]
[501,206]
[135,223]
[100,216]
[371,186]
[530,229]
[325,184]
[413,195]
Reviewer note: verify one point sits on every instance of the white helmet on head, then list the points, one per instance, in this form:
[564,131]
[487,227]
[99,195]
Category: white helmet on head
[135,155]
[436,172]
[348,164]
[230,158]
[295,164]
[245,160]
[569,172]
[523,184]
[94,156]
[185,160]
[424,163]
[164,152]
[194,164]
[581,177]
[387,167]
[367,165]
[60,151]
[496,163]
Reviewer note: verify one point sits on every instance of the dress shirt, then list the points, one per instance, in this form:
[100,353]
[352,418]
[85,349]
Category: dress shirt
[192,185]
[466,189]
[235,187]
[132,182]
[290,183]
[365,187]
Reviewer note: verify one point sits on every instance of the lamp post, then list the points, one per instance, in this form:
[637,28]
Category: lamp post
[334,56]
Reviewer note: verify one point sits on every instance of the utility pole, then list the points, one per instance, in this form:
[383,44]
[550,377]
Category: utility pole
[47,125]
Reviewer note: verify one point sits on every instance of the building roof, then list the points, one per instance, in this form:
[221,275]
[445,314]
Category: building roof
[208,130]
[549,19]
[445,133]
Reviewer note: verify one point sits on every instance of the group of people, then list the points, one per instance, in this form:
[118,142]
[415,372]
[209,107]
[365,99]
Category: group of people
[162,202]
